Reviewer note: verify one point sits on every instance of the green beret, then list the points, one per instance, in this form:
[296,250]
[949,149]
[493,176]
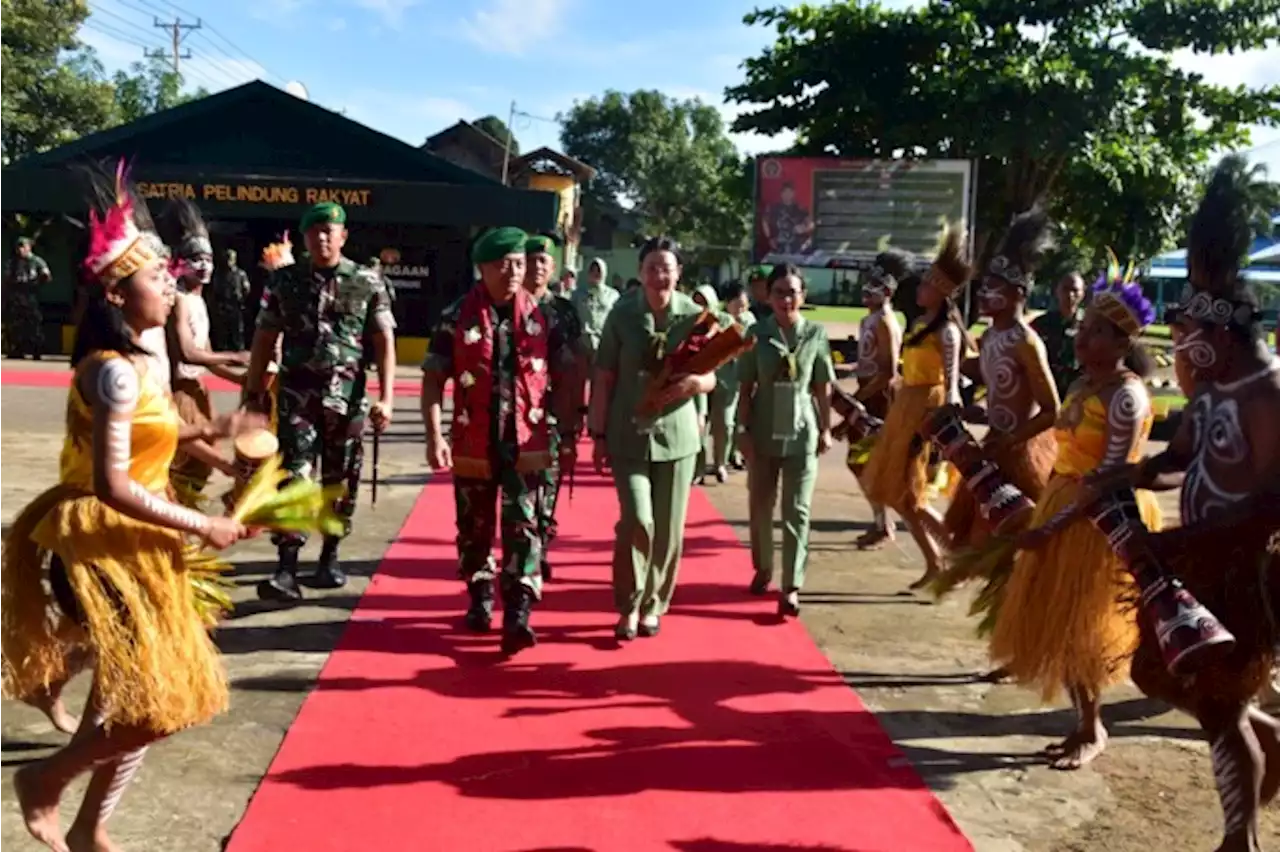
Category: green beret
[25,241]
[324,213]
[497,244]
[538,244]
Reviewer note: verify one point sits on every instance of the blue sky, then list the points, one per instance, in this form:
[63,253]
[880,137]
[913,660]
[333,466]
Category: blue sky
[412,67]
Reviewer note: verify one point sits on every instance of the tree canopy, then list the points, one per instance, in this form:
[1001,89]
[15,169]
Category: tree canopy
[497,128]
[669,160]
[1075,104]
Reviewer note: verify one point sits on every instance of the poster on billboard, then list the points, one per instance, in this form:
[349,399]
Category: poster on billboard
[836,213]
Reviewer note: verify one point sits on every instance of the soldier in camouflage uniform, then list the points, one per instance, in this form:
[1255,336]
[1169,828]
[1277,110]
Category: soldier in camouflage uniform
[540,266]
[226,297]
[326,307]
[504,355]
[25,274]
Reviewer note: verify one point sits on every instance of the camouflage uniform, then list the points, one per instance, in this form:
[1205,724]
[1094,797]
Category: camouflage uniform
[22,317]
[225,297]
[325,317]
[565,325]
[523,514]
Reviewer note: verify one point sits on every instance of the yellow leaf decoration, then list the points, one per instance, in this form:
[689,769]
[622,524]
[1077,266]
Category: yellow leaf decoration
[302,506]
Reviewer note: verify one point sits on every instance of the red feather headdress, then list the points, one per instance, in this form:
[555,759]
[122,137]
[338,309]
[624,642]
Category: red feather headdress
[117,248]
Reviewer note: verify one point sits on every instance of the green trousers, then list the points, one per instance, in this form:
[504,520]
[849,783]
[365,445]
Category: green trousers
[654,500]
[723,416]
[799,474]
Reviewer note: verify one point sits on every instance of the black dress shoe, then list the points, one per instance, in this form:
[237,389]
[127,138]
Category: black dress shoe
[759,586]
[787,607]
[649,629]
[480,613]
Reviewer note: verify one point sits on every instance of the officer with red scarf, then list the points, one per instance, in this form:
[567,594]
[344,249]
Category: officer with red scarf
[503,355]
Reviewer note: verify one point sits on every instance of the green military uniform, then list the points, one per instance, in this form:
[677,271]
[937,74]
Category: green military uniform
[325,317]
[225,297]
[782,369]
[593,303]
[22,317]
[653,460]
[565,330]
[1059,336]
[722,403]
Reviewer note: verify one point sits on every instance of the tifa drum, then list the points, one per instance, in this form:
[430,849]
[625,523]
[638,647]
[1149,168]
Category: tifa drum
[252,450]
[1001,503]
[856,422]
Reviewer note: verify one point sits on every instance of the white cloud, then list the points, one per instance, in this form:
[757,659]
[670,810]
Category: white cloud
[511,27]
[390,11]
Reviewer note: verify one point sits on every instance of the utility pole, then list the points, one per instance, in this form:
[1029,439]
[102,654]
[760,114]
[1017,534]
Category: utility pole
[506,150]
[177,32]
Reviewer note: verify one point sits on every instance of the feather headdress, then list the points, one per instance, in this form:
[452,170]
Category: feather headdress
[278,255]
[951,268]
[1118,298]
[1218,243]
[119,242]
[892,266]
[1029,236]
[185,230]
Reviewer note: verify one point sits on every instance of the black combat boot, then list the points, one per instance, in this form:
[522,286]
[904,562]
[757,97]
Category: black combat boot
[481,610]
[517,602]
[329,573]
[283,585]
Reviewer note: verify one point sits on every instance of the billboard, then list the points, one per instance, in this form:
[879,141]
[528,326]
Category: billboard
[836,213]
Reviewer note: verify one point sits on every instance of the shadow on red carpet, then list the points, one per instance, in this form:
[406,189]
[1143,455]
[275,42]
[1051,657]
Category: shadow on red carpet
[728,732]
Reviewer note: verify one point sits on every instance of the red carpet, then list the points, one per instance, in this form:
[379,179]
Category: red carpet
[62,379]
[727,733]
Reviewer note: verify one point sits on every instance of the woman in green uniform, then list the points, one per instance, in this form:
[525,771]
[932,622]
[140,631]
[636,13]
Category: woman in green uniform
[653,458]
[784,417]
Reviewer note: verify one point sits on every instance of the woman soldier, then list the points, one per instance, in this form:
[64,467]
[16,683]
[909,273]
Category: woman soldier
[653,458]
[897,474]
[114,546]
[784,417]
[1063,620]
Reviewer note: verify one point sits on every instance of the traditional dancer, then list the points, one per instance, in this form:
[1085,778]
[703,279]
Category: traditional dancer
[879,350]
[784,417]
[504,355]
[323,308]
[1063,620]
[114,546]
[1230,511]
[1022,401]
[653,458]
[897,474]
[540,266]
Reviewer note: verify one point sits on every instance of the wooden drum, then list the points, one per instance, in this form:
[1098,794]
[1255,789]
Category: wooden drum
[252,450]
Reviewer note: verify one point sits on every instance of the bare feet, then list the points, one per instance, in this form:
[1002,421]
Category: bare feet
[873,540]
[88,840]
[1060,748]
[929,576]
[1085,747]
[39,806]
[999,675]
[52,707]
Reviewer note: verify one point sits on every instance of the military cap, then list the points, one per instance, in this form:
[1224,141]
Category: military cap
[25,241]
[537,244]
[324,213]
[497,244]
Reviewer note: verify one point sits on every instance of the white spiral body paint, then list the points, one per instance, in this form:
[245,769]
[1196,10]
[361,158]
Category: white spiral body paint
[869,346]
[1196,350]
[125,770]
[1129,409]
[1232,790]
[951,343]
[1003,375]
[118,388]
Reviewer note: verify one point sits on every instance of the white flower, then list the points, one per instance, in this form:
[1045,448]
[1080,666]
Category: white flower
[535,415]
[537,364]
[467,379]
[472,335]
[532,328]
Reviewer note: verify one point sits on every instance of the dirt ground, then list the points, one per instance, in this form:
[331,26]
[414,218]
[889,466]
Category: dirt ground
[916,664]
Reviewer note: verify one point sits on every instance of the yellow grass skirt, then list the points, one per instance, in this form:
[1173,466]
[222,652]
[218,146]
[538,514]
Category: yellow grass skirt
[155,665]
[1068,614]
[893,477]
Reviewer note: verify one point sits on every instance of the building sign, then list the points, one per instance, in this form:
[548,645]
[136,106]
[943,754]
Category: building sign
[403,276]
[251,193]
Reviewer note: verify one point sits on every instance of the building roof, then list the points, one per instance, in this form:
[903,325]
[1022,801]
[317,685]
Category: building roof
[256,127]
[469,131]
[577,168]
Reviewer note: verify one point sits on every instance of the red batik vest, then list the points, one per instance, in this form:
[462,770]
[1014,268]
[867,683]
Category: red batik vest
[475,401]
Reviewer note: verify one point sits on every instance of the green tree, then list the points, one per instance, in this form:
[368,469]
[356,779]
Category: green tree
[52,89]
[1073,104]
[149,87]
[497,128]
[670,160]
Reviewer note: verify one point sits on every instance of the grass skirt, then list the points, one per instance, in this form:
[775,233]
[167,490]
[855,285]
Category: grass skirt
[156,666]
[1027,465]
[894,476]
[1068,614]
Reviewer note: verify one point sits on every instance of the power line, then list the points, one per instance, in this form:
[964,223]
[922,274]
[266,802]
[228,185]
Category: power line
[177,32]
[216,33]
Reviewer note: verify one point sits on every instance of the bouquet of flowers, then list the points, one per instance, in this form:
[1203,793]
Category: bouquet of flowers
[278,255]
[706,348]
